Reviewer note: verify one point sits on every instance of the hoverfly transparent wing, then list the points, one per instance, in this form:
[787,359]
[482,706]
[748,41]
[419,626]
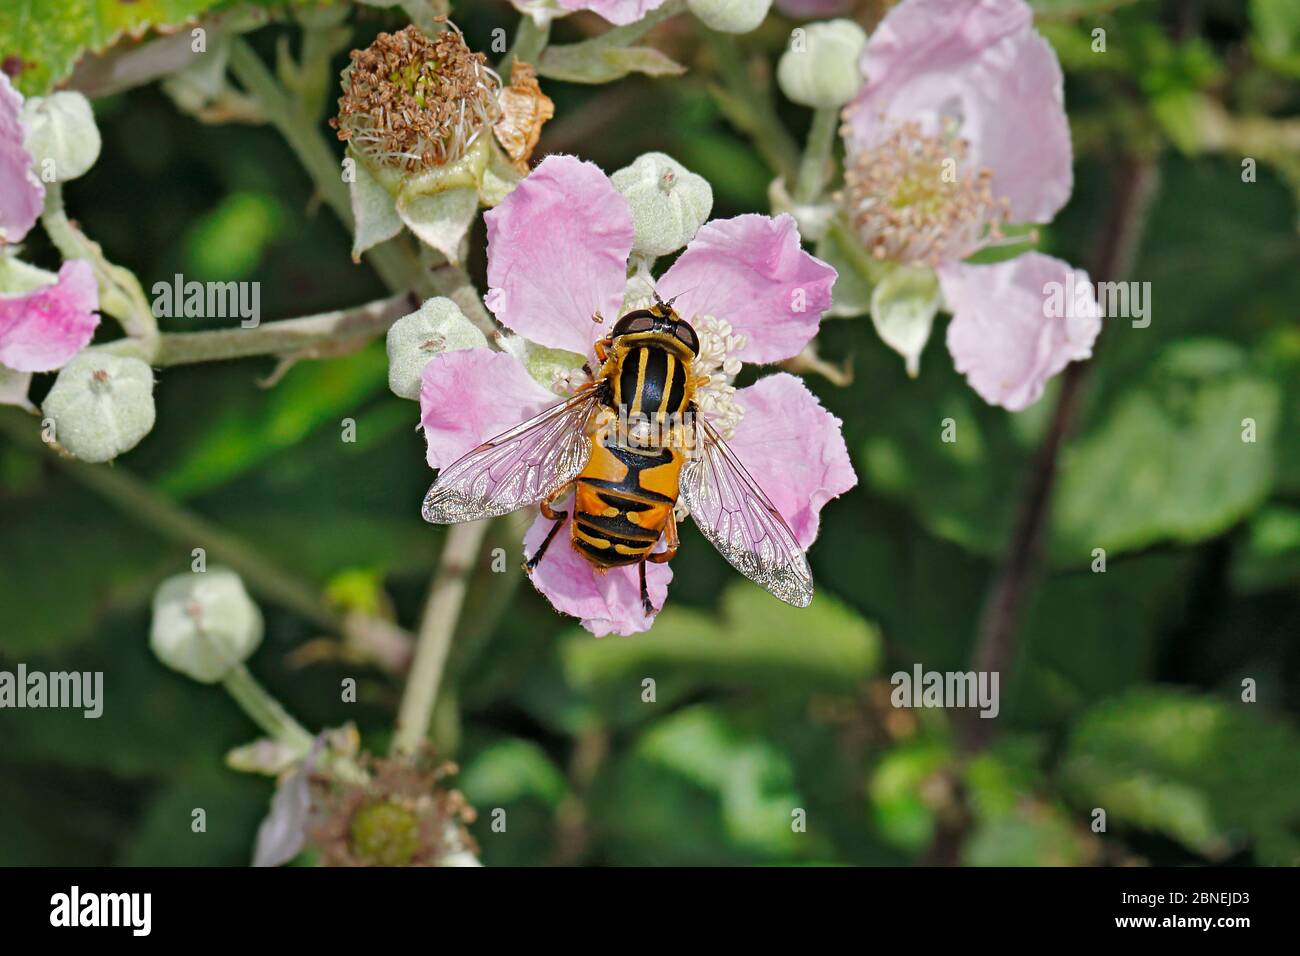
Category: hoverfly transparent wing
[516,468]
[738,519]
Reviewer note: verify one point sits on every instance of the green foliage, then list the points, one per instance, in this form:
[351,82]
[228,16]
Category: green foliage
[769,739]
[49,36]
[1181,450]
[1211,774]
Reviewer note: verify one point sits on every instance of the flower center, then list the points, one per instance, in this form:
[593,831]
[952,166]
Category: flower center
[911,198]
[385,834]
[412,102]
[716,368]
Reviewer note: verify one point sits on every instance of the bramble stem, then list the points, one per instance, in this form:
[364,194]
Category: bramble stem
[530,41]
[1021,568]
[437,628]
[334,332]
[120,294]
[265,711]
[815,167]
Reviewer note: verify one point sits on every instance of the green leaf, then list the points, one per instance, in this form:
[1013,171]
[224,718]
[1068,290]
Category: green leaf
[605,65]
[509,770]
[229,242]
[59,580]
[700,787]
[1074,9]
[1169,461]
[48,36]
[232,804]
[253,425]
[1276,34]
[1212,774]
[755,641]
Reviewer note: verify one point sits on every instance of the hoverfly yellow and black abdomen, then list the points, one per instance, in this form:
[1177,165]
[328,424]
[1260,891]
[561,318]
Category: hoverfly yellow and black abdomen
[621,446]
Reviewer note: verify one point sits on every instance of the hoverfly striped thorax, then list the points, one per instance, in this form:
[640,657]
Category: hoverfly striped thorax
[628,445]
[624,497]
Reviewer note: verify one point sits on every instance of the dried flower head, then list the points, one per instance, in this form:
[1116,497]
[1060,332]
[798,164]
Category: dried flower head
[401,816]
[412,102]
[913,199]
[524,111]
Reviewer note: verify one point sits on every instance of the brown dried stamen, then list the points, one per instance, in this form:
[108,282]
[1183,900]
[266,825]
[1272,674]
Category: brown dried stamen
[911,200]
[411,101]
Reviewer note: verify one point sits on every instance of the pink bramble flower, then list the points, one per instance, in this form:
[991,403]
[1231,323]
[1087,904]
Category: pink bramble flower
[42,329]
[959,129]
[21,192]
[44,319]
[558,255]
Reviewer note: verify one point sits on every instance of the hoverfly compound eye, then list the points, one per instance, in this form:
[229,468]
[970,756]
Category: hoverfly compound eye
[688,337]
[641,321]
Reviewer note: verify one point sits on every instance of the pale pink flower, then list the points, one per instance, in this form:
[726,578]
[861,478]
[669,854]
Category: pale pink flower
[558,250]
[41,330]
[21,193]
[968,82]
[620,12]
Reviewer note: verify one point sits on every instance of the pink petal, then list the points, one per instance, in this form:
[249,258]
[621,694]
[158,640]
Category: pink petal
[751,271]
[557,254]
[607,602]
[615,11]
[41,330]
[21,193]
[469,395]
[984,64]
[1002,337]
[794,449]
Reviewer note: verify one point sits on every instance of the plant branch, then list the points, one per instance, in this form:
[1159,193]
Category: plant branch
[146,505]
[329,333]
[437,628]
[1018,574]
[265,711]
[120,294]
[815,167]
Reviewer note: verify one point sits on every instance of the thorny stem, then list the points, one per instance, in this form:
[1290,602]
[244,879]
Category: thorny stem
[437,627]
[265,711]
[815,167]
[330,332]
[1018,574]
[1022,565]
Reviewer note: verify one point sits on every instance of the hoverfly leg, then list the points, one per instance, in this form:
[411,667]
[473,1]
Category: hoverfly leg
[671,540]
[645,593]
[553,515]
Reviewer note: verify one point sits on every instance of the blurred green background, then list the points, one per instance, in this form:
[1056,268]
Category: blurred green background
[1125,694]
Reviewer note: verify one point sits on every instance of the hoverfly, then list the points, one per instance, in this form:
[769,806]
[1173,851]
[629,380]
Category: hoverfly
[627,478]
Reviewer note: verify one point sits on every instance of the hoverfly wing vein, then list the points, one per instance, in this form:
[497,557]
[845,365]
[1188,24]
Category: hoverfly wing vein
[739,520]
[519,467]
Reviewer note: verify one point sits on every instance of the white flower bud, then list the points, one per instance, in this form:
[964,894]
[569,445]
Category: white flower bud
[437,326]
[60,128]
[822,69]
[204,624]
[669,203]
[102,405]
[730,16]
